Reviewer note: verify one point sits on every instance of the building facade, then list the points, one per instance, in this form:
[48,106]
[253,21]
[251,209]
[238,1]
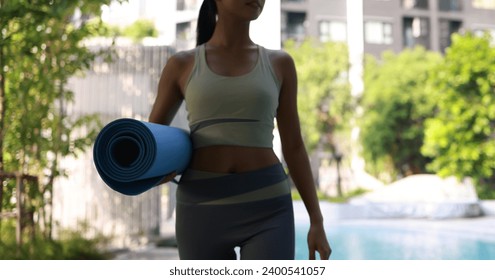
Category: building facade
[375,26]
[176,21]
[387,24]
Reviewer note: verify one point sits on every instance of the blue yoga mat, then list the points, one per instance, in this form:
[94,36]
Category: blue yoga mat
[133,156]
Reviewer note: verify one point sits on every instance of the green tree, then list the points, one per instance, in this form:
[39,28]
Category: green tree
[40,49]
[395,105]
[324,101]
[461,136]
[140,29]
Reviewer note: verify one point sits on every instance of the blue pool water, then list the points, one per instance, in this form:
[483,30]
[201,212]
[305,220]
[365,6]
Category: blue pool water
[379,242]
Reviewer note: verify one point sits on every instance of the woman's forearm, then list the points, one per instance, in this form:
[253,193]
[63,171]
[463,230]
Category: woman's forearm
[300,171]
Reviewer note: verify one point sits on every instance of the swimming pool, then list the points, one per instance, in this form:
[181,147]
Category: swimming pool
[399,240]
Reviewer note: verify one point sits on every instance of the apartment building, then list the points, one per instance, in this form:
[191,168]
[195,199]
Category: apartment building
[387,24]
[176,21]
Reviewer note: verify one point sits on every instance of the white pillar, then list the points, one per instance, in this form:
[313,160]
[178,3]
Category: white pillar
[266,30]
[355,41]
[164,14]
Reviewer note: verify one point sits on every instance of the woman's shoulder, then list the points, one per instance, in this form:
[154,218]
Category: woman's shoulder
[278,54]
[280,58]
[182,58]
[179,65]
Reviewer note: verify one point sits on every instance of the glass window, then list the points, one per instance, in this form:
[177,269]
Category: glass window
[484,4]
[416,31]
[482,32]
[447,28]
[183,30]
[295,24]
[183,5]
[415,4]
[449,5]
[378,32]
[333,31]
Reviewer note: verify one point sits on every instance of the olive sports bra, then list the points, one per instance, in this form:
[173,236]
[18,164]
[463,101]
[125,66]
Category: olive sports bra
[232,111]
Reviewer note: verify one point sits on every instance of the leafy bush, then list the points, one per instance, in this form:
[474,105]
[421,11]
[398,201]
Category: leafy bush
[395,104]
[140,29]
[71,245]
[460,137]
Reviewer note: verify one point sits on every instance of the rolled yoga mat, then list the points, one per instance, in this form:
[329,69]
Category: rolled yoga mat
[133,156]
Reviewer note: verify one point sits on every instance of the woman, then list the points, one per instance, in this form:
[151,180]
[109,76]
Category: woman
[235,191]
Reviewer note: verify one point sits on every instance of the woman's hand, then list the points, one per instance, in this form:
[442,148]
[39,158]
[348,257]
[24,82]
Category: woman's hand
[168,178]
[317,241]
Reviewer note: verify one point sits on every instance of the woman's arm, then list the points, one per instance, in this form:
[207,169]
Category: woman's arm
[169,95]
[296,156]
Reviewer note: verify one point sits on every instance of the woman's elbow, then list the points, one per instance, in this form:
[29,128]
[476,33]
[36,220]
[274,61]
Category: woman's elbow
[156,118]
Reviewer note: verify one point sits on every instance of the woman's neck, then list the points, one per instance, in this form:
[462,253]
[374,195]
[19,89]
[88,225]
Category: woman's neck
[231,34]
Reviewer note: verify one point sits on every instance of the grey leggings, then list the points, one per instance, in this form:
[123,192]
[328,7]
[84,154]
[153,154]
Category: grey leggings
[251,210]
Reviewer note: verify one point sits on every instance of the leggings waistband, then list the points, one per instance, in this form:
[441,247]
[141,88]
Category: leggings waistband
[209,188]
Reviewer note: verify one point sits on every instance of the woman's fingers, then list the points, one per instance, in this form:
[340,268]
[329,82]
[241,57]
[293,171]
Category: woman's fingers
[325,253]
[312,254]
[317,242]
[168,178]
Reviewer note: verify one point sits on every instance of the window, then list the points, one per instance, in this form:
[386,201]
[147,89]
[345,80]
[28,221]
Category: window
[449,5]
[482,31]
[447,28]
[378,32]
[484,4]
[415,4]
[416,32]
[184,30]
[183,5]
[332,31]
[294,28]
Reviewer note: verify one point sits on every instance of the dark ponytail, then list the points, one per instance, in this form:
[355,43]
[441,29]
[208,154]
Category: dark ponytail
[207,21]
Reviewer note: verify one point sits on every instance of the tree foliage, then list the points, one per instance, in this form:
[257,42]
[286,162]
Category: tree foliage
[71,244]
[324,100]
[40,49]
[136,31]
[461,137]
[140,29]
[395,104]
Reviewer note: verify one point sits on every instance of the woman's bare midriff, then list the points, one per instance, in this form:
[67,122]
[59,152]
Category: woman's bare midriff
[232,159]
